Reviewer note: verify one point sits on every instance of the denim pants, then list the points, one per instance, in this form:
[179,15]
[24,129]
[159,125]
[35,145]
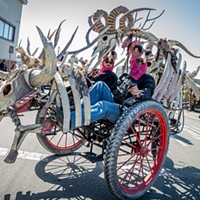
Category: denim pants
[102,105]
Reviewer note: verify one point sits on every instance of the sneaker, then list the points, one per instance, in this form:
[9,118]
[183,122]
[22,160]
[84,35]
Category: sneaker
[48,125]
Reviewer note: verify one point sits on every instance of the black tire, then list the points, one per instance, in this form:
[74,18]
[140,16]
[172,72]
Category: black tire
[58,142]
[132,164]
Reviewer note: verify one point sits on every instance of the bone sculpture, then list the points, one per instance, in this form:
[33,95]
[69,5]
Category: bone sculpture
[165,65]
[15,94]
[20,86]
[25,83]
[28,60]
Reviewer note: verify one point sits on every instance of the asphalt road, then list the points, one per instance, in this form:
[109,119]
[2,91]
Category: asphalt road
[39,175]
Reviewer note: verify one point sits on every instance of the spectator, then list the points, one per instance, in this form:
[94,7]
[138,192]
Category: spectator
[3,65]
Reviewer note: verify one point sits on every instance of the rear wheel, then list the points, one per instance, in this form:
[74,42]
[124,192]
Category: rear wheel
[136,150]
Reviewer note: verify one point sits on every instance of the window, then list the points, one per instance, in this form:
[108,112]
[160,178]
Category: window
[11,33]
[7,31]
[1,28]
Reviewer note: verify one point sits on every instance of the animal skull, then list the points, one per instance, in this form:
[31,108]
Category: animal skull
[26,81]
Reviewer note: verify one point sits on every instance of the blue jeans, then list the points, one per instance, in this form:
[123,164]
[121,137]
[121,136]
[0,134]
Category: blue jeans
[102,105]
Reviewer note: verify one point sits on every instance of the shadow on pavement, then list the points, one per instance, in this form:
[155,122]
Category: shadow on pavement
[77,177]
[176,183]
[182,139]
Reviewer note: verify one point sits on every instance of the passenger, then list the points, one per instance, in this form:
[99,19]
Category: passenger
[144,83]
[105,105]
[105,73]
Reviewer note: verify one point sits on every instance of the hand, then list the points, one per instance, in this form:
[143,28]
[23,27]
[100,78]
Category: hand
[94,73]
[135,91]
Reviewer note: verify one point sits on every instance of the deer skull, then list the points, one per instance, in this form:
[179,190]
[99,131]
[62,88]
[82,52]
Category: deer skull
[26,81]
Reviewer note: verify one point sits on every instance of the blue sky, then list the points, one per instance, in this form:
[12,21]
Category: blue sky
[180,21]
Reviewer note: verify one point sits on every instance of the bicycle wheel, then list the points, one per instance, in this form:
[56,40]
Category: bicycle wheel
[57,142]
[137,150]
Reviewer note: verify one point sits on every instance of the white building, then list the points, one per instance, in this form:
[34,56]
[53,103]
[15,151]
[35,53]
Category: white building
[10,18]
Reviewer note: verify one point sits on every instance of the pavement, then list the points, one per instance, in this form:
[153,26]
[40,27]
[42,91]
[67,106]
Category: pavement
[192,114]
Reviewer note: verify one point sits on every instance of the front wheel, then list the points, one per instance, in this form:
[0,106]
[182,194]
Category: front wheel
[137,150]
[57,142]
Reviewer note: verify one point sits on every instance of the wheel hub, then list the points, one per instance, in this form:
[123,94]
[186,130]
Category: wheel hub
[144,151]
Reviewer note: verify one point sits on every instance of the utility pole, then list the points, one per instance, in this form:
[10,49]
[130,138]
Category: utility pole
[11,48]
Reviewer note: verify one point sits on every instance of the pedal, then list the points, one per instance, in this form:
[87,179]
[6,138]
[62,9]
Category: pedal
[11,157]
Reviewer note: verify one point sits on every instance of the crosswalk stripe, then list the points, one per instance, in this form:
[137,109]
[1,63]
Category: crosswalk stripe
[175,138]
[193,128]
[25,154]
[195,135]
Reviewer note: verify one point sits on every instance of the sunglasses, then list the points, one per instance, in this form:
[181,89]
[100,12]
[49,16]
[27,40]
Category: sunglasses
[140,61]
[109,61]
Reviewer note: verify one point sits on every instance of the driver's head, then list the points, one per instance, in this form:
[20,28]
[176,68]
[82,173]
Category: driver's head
[108,61]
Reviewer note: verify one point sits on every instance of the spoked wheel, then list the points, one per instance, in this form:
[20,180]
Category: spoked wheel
[55,141]
[136,150]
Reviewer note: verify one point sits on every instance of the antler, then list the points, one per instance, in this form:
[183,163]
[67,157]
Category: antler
[50,36]
[28,46]
[57,36]
[89,44]
[140,31]
[123,27]
[40,77]
[177,43]
[153,19]
[68,44]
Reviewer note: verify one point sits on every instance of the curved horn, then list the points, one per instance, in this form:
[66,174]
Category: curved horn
[125,27]
[177,43]
[38,77]
[97,16]
[111,22]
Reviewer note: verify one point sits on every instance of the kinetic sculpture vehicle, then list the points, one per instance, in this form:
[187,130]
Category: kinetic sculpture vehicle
[135,147]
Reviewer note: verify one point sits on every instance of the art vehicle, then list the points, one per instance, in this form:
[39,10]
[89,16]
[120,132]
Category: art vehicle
[135,147]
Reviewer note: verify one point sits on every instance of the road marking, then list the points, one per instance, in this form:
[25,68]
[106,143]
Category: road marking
[193,128]
[178,140]
[193,131]
[196,118]
[26,155]
[193,134]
